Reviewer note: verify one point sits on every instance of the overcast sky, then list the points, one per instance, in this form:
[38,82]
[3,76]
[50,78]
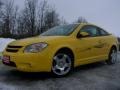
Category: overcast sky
[104,13]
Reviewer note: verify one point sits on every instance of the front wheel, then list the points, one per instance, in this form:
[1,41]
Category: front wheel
[112,56]
[62,64]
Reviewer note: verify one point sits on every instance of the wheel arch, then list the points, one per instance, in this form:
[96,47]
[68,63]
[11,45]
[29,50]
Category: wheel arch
[114,46]
[69,51]
[109,61]
[66,50]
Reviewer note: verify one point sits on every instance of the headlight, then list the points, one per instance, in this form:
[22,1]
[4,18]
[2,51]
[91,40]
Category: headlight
[34,48]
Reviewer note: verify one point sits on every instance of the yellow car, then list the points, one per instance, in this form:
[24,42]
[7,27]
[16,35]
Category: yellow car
[62,48]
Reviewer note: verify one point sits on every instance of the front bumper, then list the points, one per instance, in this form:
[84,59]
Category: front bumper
[30,62]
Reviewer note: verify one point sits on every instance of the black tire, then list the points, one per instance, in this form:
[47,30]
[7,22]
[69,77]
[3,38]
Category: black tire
[68,59]
[112,56]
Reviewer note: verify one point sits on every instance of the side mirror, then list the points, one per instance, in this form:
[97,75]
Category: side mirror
[83,34]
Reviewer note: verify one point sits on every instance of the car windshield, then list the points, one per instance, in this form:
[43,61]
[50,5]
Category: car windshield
[63,30]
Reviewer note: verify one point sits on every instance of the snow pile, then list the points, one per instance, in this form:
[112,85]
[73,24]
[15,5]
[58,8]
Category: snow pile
[4,42]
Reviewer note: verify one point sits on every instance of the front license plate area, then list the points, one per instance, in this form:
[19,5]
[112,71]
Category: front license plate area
[6,59]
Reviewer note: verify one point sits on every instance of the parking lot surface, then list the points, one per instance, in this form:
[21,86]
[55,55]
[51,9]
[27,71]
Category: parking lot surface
[97,76]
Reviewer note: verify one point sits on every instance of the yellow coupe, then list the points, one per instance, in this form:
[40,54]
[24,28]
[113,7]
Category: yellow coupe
[62,48]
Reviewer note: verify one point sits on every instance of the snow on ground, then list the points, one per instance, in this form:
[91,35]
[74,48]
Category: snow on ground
[3,43]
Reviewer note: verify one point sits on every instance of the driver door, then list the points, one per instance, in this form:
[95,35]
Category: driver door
[87,52]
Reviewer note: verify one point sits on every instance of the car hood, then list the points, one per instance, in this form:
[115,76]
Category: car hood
[28,41]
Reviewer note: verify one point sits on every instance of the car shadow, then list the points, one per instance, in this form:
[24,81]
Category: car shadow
[18,75]
[12,76]
[31,75]
[89,66]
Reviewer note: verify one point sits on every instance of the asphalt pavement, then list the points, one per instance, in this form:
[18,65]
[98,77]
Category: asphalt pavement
[97,76]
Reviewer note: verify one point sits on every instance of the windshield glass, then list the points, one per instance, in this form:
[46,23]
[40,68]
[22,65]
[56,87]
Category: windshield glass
[63,30]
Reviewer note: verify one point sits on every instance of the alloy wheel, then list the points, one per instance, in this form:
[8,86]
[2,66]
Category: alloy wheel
[113,56]
[61,64]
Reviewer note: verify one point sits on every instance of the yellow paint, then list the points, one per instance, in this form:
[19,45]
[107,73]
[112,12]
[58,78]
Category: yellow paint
[83,49]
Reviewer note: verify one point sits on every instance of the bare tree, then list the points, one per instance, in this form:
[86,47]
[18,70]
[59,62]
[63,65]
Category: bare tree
[1,4]
[33,19]
[63,21]
[81,20]
[22,21]
[1,14]
[47,17]
[30,15]
[43,6]
[9,17]
[51,19]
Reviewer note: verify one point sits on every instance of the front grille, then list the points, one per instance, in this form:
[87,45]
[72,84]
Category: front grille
[13,49]
[14,46]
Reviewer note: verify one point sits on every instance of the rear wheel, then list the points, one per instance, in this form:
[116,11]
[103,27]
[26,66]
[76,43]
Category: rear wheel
[112,56]
[62,64]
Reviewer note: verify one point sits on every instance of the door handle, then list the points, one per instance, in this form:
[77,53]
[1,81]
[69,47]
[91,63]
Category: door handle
[100,41]
[100,44]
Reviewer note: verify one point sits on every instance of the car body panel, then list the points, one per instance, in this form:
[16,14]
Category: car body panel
[85,50]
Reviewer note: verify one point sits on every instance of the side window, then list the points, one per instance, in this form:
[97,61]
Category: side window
[92,30]
[103,32]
